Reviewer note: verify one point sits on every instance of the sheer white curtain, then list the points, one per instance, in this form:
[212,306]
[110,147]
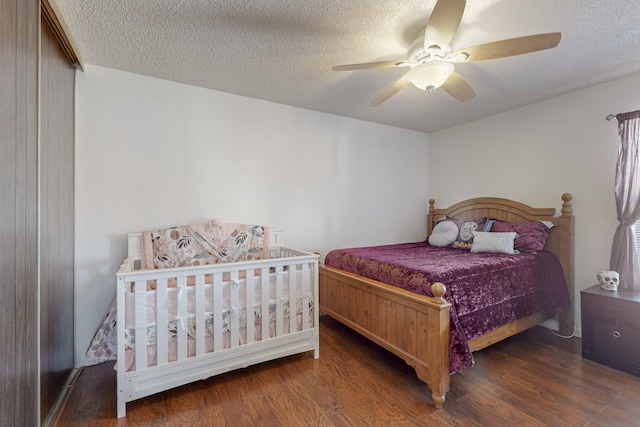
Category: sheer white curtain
[624,259]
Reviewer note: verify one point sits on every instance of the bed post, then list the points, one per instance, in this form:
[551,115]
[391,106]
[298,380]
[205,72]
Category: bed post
[431,361]
[430,216]
[566,318]
[438,376]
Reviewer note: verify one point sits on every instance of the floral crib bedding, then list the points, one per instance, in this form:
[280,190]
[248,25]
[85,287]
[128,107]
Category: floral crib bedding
[212,242]
[277,299]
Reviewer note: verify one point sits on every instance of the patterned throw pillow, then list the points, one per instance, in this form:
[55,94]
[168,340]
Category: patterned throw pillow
[204,244]
[532,235]
[467,227]
[179,247]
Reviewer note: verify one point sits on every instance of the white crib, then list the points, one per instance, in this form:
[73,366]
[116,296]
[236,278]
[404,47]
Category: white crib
[206,320]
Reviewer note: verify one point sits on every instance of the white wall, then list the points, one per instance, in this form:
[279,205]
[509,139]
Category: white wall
[534,154]
[152,153]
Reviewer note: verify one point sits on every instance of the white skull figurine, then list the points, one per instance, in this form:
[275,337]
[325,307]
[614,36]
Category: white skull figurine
[609,280]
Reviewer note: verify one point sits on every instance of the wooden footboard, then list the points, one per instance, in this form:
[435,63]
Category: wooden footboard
[412,326]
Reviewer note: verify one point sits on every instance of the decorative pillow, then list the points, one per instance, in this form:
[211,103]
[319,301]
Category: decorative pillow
[532,235]
[203,244]
[466,227]
[444,234]
[494,242]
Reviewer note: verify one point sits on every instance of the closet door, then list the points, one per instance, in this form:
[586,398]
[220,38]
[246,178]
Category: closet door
[57,80]
[23,228]
[19,22]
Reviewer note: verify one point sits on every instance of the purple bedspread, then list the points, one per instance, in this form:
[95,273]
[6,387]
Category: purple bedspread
[485,290]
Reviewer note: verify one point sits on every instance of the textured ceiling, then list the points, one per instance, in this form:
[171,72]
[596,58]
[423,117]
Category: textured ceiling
[283,50]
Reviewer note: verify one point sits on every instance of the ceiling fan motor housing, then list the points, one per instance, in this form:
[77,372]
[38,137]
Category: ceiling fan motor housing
[418,52]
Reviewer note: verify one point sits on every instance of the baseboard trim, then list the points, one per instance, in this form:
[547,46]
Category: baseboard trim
[61,401]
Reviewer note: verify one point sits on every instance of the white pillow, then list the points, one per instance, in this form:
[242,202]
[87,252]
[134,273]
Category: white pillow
[497,243]
[443,234]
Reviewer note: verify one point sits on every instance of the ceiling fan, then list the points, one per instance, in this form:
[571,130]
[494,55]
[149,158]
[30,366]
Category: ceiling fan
[431,57]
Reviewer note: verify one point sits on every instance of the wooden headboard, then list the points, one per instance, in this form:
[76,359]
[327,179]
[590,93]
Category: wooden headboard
[560,241]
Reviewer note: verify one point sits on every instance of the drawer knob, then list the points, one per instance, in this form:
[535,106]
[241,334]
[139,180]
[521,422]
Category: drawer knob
[616,334]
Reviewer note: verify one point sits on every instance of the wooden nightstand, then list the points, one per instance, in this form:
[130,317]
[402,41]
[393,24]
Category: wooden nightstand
[611,328]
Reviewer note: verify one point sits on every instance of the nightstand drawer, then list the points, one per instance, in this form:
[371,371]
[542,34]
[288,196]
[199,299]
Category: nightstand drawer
[616,342]
[613,308]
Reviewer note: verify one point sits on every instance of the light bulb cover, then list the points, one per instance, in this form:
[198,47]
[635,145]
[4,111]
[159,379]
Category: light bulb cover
[430,75]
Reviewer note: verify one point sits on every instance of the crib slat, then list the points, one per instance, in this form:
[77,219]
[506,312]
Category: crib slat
[217,312]
[162,322]
[234,312]
[250,304]
[293,324]
[140,322]
[182,318]
[279,301]
[200,319]
[306,288]
[265,294]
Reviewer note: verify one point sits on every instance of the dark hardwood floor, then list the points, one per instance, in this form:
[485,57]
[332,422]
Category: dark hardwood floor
[533,379]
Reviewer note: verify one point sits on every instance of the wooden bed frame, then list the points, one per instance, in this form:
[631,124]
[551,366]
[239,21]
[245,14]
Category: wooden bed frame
[416,327]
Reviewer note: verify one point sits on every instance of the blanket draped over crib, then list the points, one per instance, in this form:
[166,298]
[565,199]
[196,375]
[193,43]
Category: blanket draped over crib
[207,243]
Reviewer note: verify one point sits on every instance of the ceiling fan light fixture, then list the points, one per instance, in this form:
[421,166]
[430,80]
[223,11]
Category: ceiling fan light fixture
[431,57]
[430,75]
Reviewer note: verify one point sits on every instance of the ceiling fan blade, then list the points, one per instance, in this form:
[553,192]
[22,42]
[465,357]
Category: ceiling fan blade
[458,87]
[510,47]
[443,22]
[370,65]
[390,91]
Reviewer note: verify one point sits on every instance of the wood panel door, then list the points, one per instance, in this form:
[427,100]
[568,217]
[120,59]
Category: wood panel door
[36,216]
[19,23]
[57,80]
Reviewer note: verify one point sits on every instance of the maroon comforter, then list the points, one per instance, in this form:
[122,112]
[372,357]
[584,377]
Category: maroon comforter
[486,290]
